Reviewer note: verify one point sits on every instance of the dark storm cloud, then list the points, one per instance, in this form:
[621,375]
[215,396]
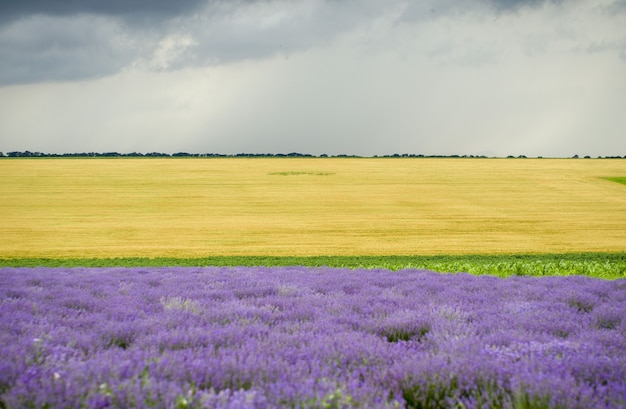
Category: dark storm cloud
[62,49]
[15,9]
[65,40]
[72,40]
[11,9]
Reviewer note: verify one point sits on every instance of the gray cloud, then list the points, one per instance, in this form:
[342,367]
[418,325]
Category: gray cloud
[419,11]
[618,6]
[269,28]
[513,5]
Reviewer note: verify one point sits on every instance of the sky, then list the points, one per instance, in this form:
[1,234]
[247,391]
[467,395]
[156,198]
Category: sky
[367,77]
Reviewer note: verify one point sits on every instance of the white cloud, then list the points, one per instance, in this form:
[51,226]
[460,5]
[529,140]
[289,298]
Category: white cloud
[168,52]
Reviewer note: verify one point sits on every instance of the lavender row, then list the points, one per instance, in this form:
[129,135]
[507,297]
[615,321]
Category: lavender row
[294,337]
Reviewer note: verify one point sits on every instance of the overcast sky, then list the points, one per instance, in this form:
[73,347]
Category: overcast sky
[369,77]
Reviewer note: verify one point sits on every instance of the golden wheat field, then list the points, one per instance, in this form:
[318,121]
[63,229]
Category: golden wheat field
[197,207]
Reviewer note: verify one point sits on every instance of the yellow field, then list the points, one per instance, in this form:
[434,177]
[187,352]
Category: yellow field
[332,206]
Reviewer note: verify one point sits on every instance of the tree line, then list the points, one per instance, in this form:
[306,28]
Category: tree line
[28,154]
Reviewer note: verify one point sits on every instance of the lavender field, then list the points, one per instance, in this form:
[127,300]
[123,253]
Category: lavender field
[295,337]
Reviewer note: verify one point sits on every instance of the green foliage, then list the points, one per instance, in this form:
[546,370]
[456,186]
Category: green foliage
[448,393]
[525,401]
[296,173]
[436,393]
[581,305]
[599,265]
[404,334]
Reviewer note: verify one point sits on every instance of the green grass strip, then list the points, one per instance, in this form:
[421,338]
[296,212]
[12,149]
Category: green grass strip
[621,180]
[599,265]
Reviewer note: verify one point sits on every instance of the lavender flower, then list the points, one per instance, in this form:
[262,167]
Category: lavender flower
[294,337]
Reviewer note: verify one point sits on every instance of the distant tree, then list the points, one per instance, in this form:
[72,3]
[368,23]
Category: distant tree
[575,157]
[16,154]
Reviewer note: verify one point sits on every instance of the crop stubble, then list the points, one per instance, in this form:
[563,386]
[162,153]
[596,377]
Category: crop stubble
[171,207]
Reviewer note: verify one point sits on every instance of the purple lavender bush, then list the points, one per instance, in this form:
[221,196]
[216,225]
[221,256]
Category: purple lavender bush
[294,337]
